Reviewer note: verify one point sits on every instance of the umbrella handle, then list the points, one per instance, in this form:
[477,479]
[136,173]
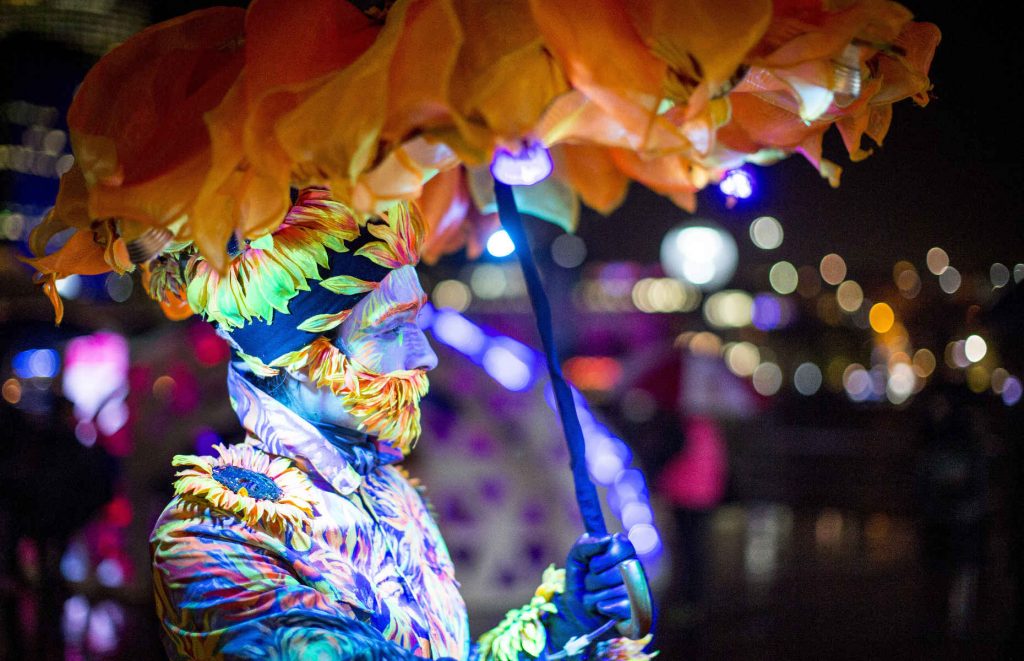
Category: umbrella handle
[641,608]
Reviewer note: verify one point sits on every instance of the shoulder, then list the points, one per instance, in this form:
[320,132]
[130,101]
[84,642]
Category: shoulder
[240,490]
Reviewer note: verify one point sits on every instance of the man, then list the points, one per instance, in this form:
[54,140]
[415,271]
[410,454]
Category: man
[306,540]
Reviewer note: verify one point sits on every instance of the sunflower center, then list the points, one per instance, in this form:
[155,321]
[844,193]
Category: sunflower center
[247,482]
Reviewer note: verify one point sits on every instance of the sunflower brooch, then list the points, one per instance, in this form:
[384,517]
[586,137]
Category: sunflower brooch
[265,492]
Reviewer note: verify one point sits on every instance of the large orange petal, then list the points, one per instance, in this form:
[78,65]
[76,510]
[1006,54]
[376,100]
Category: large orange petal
[148,95]
[592,173]
[667,175]
[333,132]
[71,209]
[602,55]
[81,254]
[907,75]
[292,41]
[420,72]
[703,41]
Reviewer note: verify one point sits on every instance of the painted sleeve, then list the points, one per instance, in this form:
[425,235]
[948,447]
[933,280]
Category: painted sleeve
[223,593]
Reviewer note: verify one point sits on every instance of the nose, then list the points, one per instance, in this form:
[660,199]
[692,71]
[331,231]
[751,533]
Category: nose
[420,355]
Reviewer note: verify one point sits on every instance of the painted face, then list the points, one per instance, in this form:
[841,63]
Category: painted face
[374,373]
[381,334]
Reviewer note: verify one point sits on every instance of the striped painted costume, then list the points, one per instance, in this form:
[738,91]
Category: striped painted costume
[374,555]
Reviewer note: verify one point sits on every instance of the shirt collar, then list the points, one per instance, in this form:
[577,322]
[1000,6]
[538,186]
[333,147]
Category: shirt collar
[279,431]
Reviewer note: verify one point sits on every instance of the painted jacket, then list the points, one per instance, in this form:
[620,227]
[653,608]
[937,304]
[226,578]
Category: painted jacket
[328,561]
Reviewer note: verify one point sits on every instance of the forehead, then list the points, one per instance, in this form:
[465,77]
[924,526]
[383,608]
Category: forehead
[399,293]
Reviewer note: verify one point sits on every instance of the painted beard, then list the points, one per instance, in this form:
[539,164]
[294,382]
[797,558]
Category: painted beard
[386,405]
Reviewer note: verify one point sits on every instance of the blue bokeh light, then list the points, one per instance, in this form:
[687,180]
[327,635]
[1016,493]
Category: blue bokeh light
[500,244]
[36,363]
[738,184]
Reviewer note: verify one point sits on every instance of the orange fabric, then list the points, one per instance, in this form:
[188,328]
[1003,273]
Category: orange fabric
[81,254]
[204,123]
[137,121]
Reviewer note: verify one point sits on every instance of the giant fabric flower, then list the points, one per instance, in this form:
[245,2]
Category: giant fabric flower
[200,126]
[264,491]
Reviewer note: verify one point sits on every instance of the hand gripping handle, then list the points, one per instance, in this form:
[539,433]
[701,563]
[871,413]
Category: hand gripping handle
[641,610]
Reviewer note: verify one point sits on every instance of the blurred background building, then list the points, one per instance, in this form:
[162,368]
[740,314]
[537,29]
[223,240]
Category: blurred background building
[802,405]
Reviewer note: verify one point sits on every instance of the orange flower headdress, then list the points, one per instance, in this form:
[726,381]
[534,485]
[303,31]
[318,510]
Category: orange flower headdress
[195,130]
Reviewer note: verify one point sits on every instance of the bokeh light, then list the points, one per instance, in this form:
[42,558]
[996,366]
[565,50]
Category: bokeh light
[771,312]
[742,358]
[924,363]
[568,251]
[118,286]
[849,296]
[12,391]
[807,379]
[1012,391]
[508,363]
[975,348]
[909,283]
[163,388]
[999,274]
[857,382]
[978,378]
[766,233]
[500,244]
[999,377]
[452,294]
[881,317]
[950,280]
[730,308]
[956,356]
[937,260]
[834,373]
[459,333]
[901,383]
[783,278]
[664,295]
[70,287]
[832,268]
[767,379]
[644,538]
[701,254]
[488,281]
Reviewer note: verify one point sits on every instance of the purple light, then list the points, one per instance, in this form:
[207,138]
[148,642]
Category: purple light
[767,313]
[531,165]
[456,331]
[738,184]
[1012,391]
[508,363]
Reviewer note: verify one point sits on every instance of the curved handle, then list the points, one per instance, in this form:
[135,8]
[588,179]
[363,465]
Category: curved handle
[641,609]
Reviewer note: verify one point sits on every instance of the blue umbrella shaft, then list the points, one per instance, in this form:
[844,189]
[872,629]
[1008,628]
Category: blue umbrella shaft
[586,493]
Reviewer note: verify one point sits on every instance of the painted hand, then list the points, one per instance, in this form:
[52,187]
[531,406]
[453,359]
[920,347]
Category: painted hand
[594,590]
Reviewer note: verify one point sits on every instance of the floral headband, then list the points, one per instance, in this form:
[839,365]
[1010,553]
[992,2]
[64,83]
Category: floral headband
[281,292]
